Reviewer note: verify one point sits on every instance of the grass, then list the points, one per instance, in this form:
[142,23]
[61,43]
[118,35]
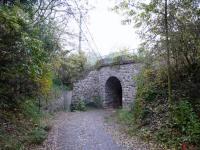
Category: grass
[37,135]
[125,117]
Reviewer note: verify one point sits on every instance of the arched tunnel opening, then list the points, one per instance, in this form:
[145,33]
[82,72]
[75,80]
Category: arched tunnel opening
[113,91]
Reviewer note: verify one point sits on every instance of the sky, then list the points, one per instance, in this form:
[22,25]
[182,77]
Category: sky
[106,28]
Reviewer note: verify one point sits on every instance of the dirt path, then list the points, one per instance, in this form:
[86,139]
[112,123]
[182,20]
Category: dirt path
[87,131]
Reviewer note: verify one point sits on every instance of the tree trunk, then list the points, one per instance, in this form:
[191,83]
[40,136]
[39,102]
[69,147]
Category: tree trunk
[168,56]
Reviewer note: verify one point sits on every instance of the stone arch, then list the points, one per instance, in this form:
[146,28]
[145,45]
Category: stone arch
[113,92]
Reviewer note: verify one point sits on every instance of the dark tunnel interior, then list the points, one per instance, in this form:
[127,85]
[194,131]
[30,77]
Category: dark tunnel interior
[113,93]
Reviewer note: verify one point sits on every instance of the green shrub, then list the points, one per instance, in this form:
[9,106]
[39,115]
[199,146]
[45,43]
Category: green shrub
[56,81]
[145,112]
[187,122]
[95,102]
[31,110]
[140,112]
[37,136]
[80,106]
[145,134]
[149,94]
[137,110]
[116,60]
[184,127]
[25,125]
[163,135]
[168,137]
[147,85]
[8,142]
[151,103]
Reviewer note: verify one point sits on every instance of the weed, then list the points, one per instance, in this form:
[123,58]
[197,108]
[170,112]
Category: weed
[30,110]
[125,116]
[37,135]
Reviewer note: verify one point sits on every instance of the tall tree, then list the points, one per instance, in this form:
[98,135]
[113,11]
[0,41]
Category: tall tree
[170,33]
[168,56]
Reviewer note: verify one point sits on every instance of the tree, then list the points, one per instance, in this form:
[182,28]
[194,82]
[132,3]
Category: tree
[169,31]
[168,56]
[72,67]
[25,56]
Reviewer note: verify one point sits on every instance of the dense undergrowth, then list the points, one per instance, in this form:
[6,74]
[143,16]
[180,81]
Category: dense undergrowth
[22,127]
[152,119]
[27,124]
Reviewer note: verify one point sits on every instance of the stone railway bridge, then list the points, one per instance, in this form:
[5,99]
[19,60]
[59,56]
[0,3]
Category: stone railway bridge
[112,84]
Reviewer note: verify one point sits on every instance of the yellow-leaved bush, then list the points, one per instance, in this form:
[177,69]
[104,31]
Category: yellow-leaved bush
[45,82]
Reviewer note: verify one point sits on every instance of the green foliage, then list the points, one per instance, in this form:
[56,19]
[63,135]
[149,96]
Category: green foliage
[45,82]
[24,58]
[164,135]
[28,45]
[146,93]
[151,113]
[125,55]
[57,81]
[54,93]
[183,37]
[125,116]
[72,67]
[146,85]
[151,109]
[122,56]
[183,28]
[30,110]
[144,113]
[23,127]
[140,111]
[80,106]
[137,110]
[8,142]
[117,60]
[187,122]
[183,128]
[95,102]
[37,135]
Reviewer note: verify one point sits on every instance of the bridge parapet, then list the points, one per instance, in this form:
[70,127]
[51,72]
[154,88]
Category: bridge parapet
[118,60]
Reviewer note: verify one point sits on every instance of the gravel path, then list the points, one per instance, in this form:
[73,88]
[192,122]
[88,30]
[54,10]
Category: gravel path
[87,131]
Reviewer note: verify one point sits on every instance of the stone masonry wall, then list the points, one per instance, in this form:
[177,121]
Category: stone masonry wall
[94,84]
[87,88]
[125,73]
